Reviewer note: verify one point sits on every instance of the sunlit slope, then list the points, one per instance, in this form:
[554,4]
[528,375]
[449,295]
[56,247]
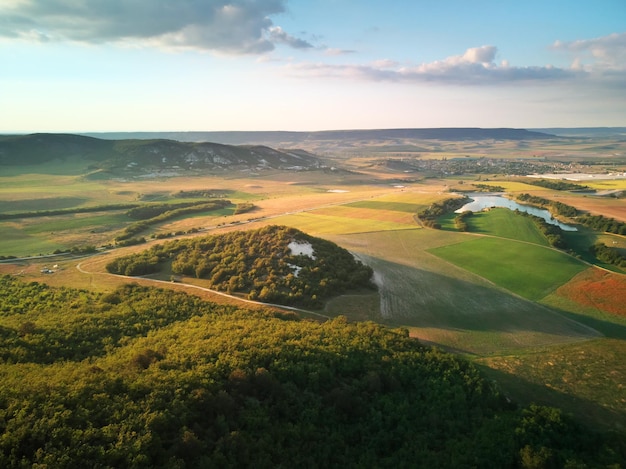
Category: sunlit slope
[450,305]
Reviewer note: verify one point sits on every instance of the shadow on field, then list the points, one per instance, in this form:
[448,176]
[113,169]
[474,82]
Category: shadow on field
[524,392]
[608,328]
[474,315]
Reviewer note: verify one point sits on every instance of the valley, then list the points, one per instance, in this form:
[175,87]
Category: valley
[496,294]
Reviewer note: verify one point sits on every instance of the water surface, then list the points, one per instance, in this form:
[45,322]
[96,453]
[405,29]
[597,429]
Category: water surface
[481,201]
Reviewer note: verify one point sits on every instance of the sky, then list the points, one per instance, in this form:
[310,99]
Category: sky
[307,65]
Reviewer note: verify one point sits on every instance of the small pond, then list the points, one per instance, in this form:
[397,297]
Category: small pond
[481,201]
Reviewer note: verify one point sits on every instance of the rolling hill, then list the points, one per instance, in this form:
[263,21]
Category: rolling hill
[146,154]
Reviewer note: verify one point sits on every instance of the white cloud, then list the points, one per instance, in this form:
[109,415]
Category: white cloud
[226,26]
[483,54]
[602,53]
[476,66]
[334,52]
[278,35]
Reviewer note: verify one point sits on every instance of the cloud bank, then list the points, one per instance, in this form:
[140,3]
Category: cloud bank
[607,52]
[600,60]
[226,26]
[475,66]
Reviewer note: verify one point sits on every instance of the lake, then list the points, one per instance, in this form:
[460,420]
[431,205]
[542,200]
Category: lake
[481,201]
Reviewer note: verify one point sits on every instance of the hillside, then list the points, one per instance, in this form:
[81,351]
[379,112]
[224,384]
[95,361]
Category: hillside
[149,378]
[382,135]
[145,155]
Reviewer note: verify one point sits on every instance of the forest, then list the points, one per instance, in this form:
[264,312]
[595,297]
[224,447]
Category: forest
[142,377]
[259,264]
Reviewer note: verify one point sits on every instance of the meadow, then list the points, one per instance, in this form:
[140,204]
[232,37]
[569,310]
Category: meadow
[497,295]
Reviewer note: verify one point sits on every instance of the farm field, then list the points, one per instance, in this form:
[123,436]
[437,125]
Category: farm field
[496,295]
[525,269]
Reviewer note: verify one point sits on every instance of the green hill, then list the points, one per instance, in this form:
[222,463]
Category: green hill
[148,378]
[136,156]
[273,264]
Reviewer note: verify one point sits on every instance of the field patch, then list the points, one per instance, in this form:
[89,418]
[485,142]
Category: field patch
[525,269]
[585,379]
[319,224]
[375,215]
[35,205]
[505,223]
[449,306]
[387,205]
[597,289]
[16,242]
[466,316]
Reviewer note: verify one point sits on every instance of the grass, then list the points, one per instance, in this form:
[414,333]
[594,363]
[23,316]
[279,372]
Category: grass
[505,223]
[39,204]
[525,269]
[585,379]
[74,222]
[319,224]
[387,206]
[15,242]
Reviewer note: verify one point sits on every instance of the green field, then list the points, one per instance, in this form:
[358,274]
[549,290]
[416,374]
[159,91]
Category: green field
[505,223]
[449,305]
[523,268]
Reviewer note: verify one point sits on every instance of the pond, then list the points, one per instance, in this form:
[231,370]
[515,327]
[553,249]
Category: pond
[481,201]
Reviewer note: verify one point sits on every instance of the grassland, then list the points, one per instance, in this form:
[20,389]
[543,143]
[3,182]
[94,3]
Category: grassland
[525,269]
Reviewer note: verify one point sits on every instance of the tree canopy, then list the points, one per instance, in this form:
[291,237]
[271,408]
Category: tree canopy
[271,264]
[142,377]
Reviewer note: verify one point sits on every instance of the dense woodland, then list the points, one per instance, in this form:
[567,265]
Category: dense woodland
[142,377]
[257,263]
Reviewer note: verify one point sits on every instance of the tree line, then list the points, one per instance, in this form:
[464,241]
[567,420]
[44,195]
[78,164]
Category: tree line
[608,254]
[559,185]
[152,215]
[555,207]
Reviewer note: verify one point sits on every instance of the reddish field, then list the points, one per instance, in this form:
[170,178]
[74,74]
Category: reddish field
[599,289]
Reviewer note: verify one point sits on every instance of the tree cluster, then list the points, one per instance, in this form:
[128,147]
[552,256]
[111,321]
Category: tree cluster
[555,207]
[147,378]
[556,185]
[67,211]
[152,215]
[460,220]
[429,215]
[602,224]
[488,188]
[608,254]
[553,233]
[257,263]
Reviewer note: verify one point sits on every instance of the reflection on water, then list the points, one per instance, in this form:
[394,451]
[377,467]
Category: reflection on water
[481,202]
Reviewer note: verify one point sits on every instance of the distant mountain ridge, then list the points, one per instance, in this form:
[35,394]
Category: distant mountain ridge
[278,137]
[146,154]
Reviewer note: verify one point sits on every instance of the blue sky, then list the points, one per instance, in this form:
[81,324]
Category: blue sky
[148,65]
